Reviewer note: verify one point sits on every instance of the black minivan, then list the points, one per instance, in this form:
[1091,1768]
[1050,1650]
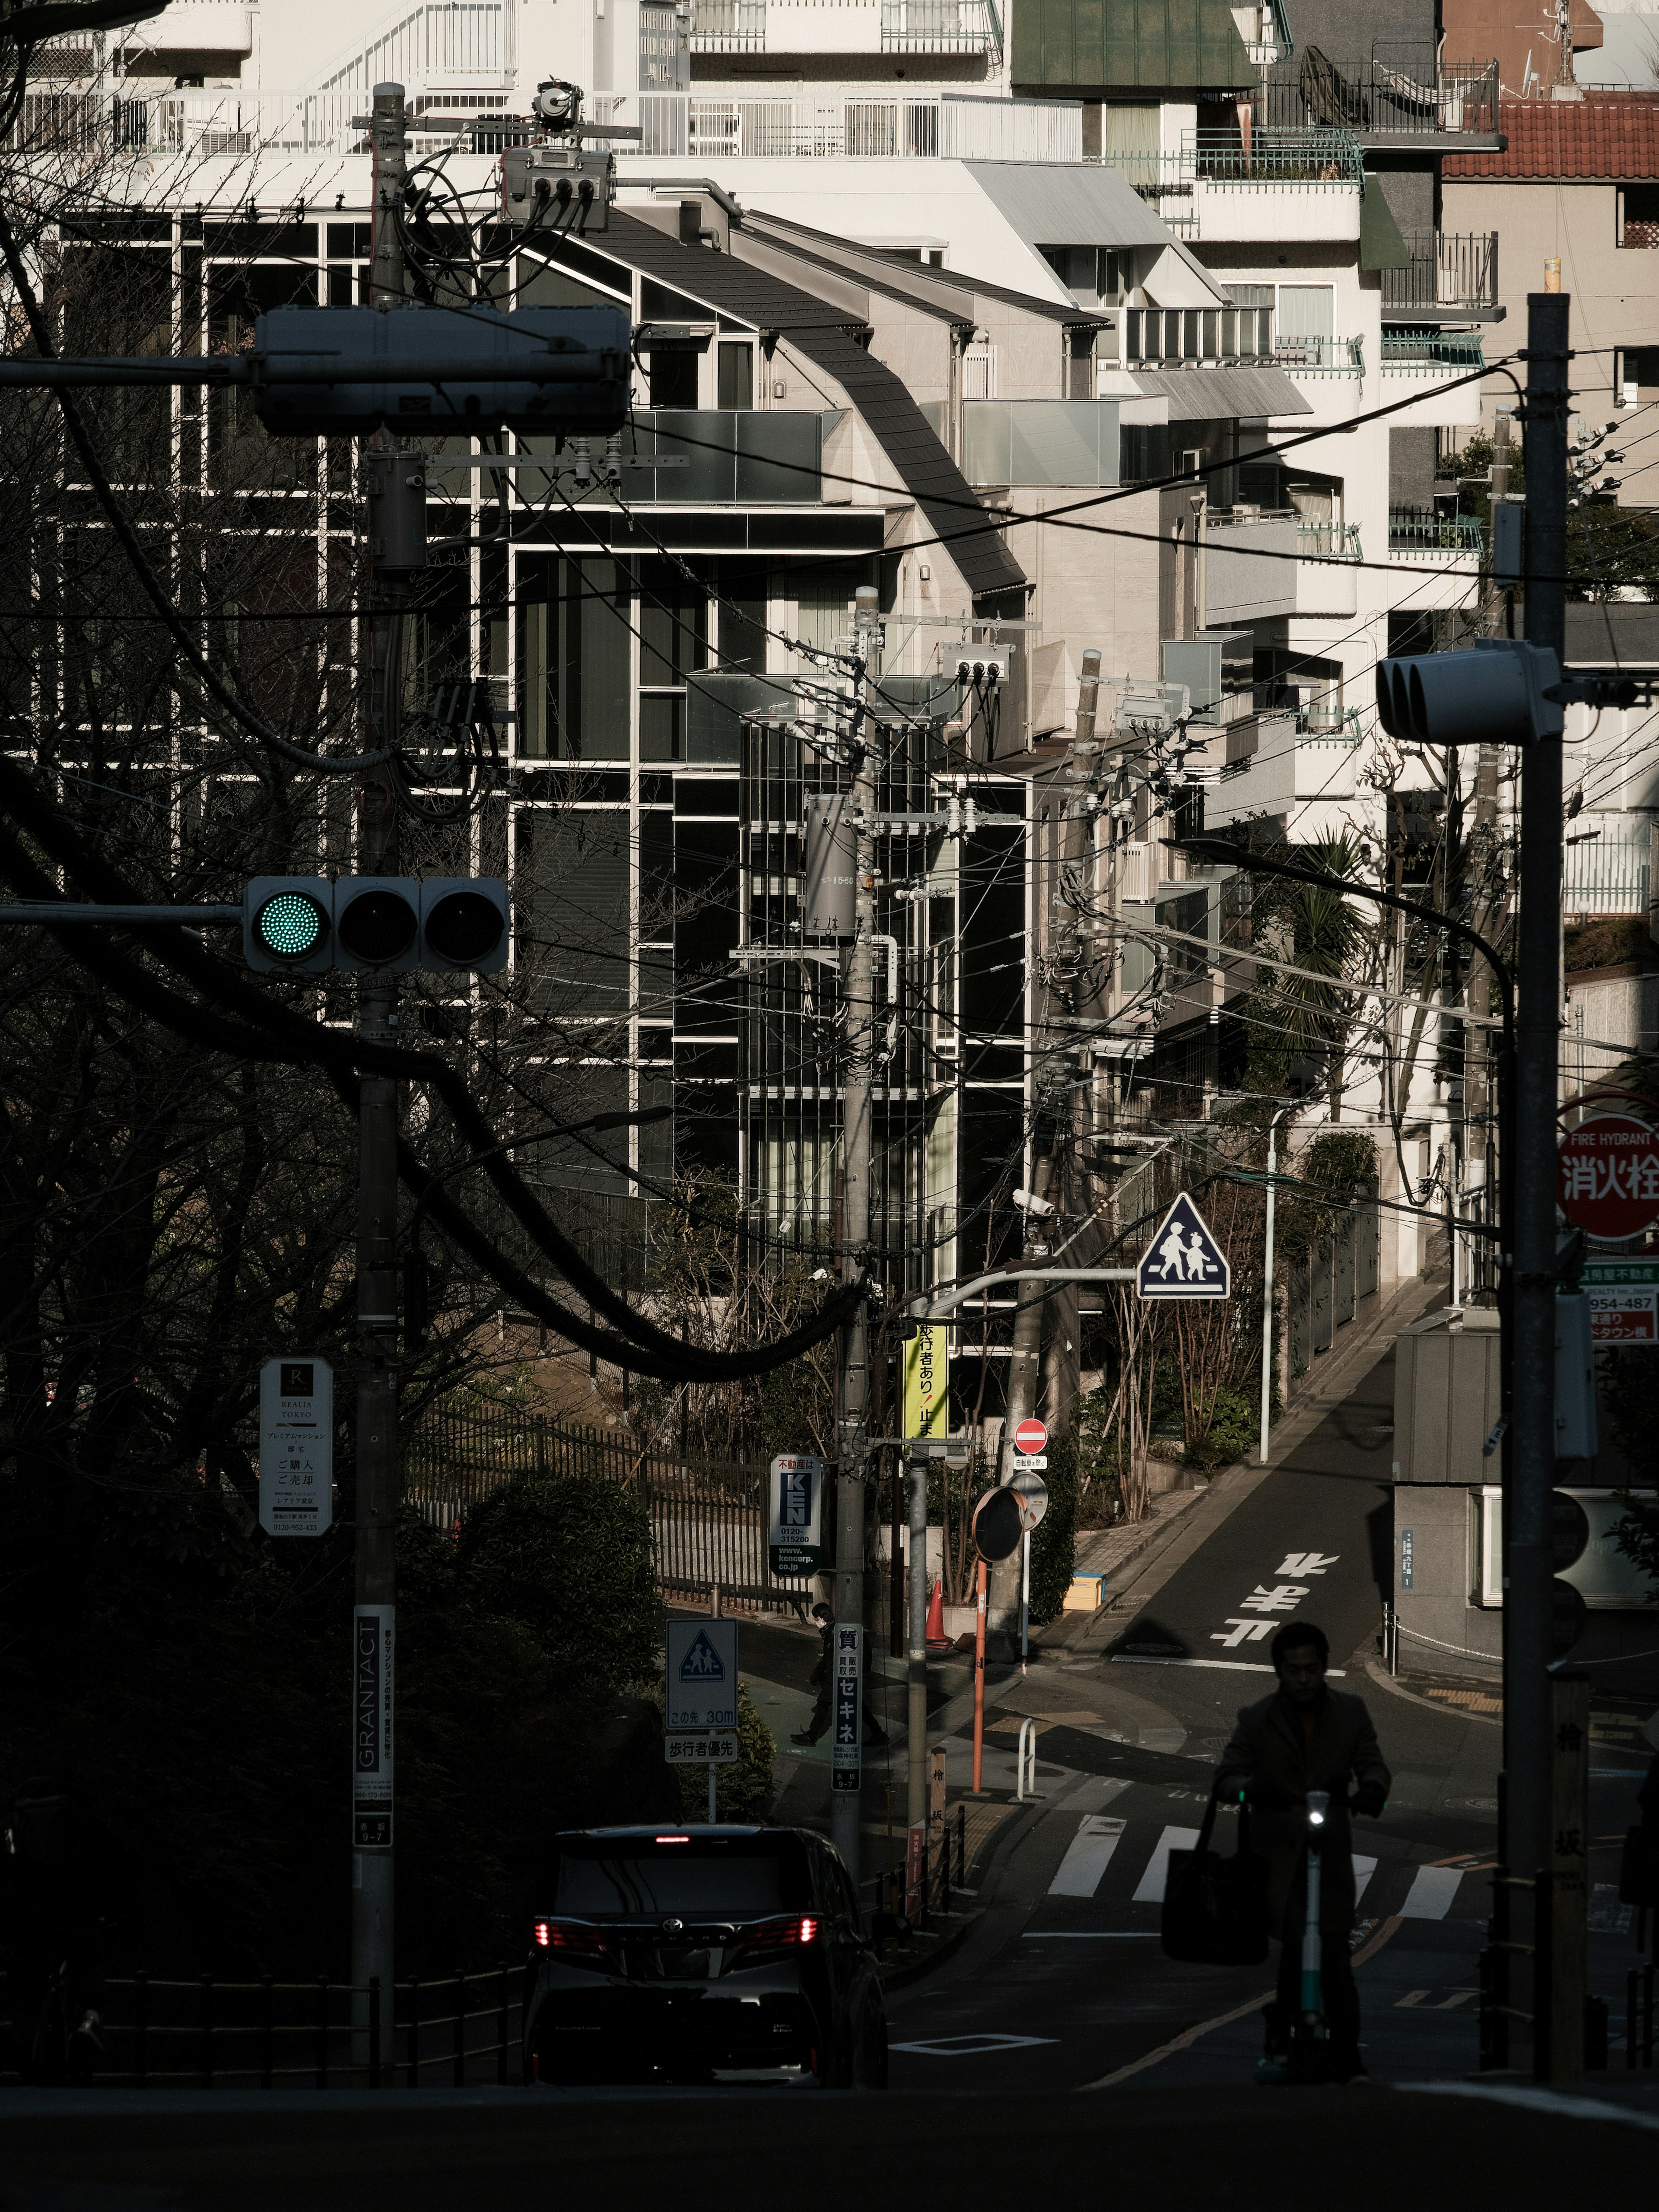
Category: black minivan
[682,1954]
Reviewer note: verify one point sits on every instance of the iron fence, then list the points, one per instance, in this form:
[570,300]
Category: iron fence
[1425,529]
[1607,876]
[1446,271]
[708,1518]
[208,2034]
[1456,348]
[1399,93]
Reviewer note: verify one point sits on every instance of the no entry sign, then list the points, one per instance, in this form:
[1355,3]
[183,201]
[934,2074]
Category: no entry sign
[1608,1175]
[1030,1436]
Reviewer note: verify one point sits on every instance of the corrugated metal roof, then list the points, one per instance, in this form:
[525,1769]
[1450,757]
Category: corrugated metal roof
[1596,139]
[1161,43]
[1068,203]
[820,331]
[1210,395]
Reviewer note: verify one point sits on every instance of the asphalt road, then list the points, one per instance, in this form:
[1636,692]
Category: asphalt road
[1313,1541]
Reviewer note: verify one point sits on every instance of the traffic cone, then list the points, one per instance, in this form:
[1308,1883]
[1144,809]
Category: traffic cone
[936,1616]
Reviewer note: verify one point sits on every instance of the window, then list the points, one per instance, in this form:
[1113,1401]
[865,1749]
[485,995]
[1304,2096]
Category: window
[673,379]
[736,383]
[1638,216]
[576,667]
[1305,310]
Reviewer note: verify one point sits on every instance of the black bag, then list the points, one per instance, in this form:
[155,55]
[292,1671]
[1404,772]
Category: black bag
[1638,1867]
[1215,1910]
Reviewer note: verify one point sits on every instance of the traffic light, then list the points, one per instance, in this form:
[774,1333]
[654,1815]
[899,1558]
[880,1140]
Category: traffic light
[287,925]
[306,925]
[377,922]
[1496,694]
[327,372]
[464,924]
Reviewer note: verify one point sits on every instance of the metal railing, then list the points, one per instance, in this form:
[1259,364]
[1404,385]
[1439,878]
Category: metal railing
[1455,272]
[1604,876]
[1217,336]
[935,27]
[196,124]
[1422,529]
[1400,92]
[836,127]
[728,27]
[1329,541]
[1460,350]
[1318,356]
[1266,159]
[208,2034]
[708,1522]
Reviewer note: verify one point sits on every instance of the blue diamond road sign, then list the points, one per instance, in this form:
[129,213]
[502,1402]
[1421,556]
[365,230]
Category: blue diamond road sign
[1183,1259]
[702,1675]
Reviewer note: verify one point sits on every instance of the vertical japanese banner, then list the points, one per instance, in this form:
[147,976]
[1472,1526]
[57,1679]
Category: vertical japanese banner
[915,1860]
[846,1758]
[372,1638]
[927,1382]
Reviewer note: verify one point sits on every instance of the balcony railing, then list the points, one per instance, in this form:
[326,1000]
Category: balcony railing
[1459,349]
[1402,92]
[1448,273]
[203,122]
[1424,530]
[939,26]
[728,27]
[1329,541]
[1262,158]
[834,126]
[1157,338]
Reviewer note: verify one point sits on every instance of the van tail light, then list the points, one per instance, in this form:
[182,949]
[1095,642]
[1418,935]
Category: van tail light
[573,1939]
[782,1935]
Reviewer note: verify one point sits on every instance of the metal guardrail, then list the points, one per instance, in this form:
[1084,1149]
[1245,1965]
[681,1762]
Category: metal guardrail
[1460,350]
[1266,159]
[708,1521]
[1403,92]
[1329,541]
[1420,529]
[1447,271]
[208,2034]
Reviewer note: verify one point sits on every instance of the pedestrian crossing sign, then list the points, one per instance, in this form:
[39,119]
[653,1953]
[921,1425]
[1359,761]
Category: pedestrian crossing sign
[1183,1259]
[702,1675]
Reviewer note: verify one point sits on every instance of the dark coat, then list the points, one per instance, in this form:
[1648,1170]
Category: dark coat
[1269,1753]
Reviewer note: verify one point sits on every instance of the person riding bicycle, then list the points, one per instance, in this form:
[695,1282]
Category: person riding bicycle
[1307,1736]
[47,1901]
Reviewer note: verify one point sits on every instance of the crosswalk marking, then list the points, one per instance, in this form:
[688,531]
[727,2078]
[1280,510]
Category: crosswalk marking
[1087,1857]
[1363,1871]
[1151,1891]
[1431,1892]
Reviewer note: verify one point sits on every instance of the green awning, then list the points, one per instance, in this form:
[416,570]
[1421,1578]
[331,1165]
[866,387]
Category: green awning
[1154,43]
[1381,246]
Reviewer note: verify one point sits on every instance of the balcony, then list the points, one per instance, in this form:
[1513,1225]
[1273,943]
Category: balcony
[1425,530]
[1460,350]
[847,126]
[1259,186]
[1329,541]
[1215,337]
[729,26]
[940,27]
[1450,277]
[1398,98]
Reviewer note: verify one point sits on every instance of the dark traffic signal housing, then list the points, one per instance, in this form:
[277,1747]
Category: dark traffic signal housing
[1502,691]
[308,924]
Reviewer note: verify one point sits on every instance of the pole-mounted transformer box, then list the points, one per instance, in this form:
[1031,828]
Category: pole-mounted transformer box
[828,900]
[342,371]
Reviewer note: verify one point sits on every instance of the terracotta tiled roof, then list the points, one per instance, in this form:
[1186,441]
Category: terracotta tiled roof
[1591,139]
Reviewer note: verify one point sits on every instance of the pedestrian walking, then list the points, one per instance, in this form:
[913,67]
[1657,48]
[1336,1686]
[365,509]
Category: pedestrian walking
[822,1678]
[1307,1736]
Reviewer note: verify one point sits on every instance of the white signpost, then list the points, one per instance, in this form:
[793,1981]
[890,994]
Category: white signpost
[296,1447]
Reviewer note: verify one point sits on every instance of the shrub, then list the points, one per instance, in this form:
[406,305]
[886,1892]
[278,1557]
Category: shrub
[569,1556]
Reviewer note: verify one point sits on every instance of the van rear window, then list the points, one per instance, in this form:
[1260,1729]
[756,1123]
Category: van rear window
[732,1880]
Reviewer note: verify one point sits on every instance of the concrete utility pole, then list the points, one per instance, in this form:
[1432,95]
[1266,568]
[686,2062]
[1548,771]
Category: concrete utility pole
[856,1151]
[397,544]
[1532,1172]
[1053,1104]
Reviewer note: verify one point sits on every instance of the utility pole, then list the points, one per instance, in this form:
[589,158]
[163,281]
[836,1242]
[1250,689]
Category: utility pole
[1531,1173]
[397,499]
[856,1150]
[1053,1098]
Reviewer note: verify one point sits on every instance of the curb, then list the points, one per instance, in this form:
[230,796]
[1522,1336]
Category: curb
[1001,1839]
[1384,1680]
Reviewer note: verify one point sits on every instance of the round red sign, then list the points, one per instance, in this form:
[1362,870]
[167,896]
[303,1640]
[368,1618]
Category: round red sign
[1030,1436]
[1608,1177]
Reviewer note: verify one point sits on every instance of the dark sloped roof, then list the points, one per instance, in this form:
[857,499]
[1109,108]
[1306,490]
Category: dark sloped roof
[927,471]
[823,334]
[1210,395]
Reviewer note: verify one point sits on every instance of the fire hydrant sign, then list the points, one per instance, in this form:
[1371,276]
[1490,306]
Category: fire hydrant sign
[1607,1182]
[296,1447]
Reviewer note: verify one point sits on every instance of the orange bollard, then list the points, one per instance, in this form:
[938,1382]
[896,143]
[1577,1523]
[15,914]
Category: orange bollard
[979,1679]
[935,1615]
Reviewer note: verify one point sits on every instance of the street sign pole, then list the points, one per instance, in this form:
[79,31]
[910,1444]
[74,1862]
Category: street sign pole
[373,1954]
